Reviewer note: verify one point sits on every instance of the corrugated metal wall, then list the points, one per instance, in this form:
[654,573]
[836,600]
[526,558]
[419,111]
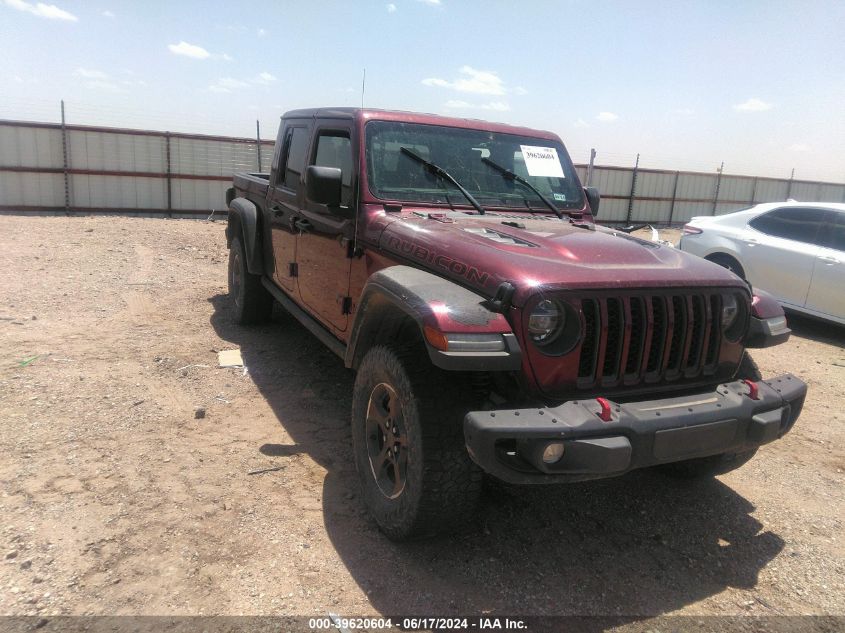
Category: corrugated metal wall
[110,169]
[139,171]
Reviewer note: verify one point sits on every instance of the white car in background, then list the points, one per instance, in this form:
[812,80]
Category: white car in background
[792,250]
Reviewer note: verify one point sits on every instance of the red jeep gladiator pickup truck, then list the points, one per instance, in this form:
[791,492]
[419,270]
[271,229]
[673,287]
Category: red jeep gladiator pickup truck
[455,267]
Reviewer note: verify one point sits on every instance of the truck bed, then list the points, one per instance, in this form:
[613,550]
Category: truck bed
[251,185]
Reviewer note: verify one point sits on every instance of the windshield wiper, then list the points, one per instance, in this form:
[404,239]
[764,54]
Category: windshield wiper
[445,175]
[507,174]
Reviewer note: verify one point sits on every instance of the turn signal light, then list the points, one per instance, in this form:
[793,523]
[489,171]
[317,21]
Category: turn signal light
[691,230]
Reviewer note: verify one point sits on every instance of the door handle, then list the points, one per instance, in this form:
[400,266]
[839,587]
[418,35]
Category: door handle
[751,241]
[277,210]
[828,259]
[302,225]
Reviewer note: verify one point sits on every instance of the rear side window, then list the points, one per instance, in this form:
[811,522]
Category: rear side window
[837,232]
[335,150]
[296,155]
[798,224]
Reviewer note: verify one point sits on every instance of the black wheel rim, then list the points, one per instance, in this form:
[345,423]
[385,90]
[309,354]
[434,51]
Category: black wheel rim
[235,273]
[387,446]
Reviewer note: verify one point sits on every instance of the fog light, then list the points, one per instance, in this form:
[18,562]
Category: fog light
[553,452]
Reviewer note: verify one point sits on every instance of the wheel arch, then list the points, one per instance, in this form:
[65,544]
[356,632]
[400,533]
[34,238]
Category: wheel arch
[401,299]
[244,222]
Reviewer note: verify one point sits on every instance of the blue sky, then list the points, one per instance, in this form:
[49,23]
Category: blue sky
[758,85]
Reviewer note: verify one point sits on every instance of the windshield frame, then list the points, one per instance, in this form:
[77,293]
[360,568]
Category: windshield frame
[576,204]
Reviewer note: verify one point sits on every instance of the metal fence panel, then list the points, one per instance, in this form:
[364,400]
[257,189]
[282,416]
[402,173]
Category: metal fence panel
[31,190]
[771,190]
[30,147]
[612,182]
[736,189]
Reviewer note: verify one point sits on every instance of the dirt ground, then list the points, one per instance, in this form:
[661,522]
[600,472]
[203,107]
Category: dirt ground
[117,500]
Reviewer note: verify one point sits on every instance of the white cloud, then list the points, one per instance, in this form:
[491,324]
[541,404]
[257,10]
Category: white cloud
[228,84]
[495,106]
[482,82]
[262,32]
[607,117]
[519,90]
[107,14]
[433,3]
[391,8]
[265,79]
[799,147]
[98,80]
[224,57]
[581,123]
[105,86]
[189,50]
[87,73]
[753,105]
[48,11]
[683,112]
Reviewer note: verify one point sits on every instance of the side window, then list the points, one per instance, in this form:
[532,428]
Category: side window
[296,153]
[799,224]
[334,149]
[837,232]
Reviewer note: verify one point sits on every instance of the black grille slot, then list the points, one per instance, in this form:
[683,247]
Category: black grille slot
[676,348]
[587,363]
[638,334]
[712,354]
[658,337]
[615,331]
[697,333]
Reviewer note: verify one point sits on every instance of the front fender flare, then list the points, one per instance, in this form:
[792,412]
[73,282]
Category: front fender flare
[434,304]
[244,223]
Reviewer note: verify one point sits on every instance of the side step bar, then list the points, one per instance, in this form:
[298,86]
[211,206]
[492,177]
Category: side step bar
[306,319]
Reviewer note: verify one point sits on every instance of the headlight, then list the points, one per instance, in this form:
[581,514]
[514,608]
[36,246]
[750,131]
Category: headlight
[730,311]
[545,322]
[734,316]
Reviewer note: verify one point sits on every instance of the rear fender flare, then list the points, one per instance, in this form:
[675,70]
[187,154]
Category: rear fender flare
[244,223]
[434,304]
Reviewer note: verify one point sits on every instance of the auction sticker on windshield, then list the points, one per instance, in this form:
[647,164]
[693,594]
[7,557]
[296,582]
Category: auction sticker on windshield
[542,161]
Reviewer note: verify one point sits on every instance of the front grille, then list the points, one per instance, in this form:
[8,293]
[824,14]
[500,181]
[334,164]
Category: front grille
[648,338]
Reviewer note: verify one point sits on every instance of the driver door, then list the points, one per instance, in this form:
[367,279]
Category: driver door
[324,240]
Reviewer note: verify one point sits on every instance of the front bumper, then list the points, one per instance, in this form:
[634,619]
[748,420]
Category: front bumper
[509,443]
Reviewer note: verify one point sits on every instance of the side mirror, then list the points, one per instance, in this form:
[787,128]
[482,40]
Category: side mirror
[323,185]
[593,198]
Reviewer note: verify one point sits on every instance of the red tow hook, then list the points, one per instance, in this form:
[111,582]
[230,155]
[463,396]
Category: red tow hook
[604,416]
[753,390]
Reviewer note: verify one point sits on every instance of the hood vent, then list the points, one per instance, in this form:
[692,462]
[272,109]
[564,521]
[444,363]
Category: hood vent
[500,238]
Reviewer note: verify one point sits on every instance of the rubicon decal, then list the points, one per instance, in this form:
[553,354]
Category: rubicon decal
[471,273]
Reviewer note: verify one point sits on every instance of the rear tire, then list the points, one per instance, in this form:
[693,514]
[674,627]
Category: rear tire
[408,442]
[703,467]
[726,261]
[251,303]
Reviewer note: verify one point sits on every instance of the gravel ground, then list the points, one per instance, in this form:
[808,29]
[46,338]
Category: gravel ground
[116,499]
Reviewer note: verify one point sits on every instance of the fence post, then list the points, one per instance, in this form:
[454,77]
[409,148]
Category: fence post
[169,179]
[674,194]
[590,166]
[258,143]
[633,190]
[753,192]
[789,185]
[718,184]
[65,161]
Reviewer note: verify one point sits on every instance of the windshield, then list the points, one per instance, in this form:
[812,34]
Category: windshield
[394,175]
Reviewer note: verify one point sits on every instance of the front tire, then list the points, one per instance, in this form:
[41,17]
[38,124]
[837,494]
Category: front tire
[704,467]
[250,300]
[407,435]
